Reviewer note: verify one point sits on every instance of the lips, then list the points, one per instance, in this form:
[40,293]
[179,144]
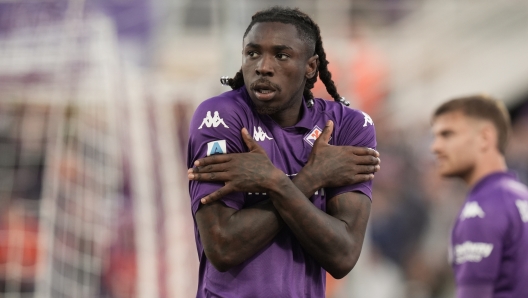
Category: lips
[264,94]
[264,89]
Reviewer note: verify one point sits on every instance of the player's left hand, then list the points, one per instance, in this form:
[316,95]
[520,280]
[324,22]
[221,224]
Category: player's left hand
[247,172]
[335,166]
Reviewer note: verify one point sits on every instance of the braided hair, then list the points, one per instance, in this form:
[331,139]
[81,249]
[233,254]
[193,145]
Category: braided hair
[309,32]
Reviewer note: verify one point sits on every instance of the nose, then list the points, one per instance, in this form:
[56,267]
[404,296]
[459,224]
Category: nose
[265,66]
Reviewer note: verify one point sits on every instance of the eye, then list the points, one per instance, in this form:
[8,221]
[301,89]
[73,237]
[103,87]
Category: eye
[252,54]
[446,134]
[282,56]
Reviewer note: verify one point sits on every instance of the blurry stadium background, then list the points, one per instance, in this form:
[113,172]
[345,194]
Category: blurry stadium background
[95,100]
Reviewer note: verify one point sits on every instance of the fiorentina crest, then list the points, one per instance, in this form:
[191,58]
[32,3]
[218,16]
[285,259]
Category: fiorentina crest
[313,135]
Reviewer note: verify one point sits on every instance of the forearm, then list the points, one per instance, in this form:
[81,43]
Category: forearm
[326,238]
[246,231]
[230,237]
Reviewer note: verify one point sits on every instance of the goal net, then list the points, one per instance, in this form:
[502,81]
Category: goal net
[93,199]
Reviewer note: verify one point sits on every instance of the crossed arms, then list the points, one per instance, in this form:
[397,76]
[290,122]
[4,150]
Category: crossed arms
[334,239]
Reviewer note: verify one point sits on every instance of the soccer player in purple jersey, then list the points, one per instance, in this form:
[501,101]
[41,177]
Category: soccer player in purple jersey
[280,182]
[489,241]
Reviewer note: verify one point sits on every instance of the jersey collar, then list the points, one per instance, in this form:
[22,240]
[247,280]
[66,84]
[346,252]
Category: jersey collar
[306,120]
[491,177]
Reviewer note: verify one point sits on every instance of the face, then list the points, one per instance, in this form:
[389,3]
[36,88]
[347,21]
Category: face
[456,144]
[276,65]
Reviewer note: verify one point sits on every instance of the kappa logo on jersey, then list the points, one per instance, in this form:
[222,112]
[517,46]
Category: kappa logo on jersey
[368,120]
[313,135]
[472,251]
[216,147]
[213,121]
[259,134]
[523,209]
[472,209]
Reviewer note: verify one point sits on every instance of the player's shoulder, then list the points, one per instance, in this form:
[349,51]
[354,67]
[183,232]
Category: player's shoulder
[228,107]
[342,114]
[352,127]
[504,186]
[499,194]
[230,102]
[512,187]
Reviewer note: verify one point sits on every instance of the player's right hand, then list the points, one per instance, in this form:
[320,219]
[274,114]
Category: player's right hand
[335,166]
[247,172]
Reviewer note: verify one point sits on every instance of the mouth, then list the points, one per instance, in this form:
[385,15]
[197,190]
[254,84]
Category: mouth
[264,90]
[264,94]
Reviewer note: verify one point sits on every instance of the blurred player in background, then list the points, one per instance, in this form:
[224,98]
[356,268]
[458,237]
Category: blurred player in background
[279,195]
[489,241]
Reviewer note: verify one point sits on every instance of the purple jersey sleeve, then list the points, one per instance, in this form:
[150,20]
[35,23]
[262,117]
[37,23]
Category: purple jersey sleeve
[354,128]
[215,129]
[475,291]
[477,241]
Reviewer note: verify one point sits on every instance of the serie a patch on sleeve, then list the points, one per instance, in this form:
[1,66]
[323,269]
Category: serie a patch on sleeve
[216,147]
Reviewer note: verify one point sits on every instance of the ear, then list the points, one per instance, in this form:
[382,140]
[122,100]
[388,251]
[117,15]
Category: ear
[311,66]
[488,136]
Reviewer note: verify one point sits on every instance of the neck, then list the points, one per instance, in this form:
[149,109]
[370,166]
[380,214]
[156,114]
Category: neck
[289,116]
[485,166]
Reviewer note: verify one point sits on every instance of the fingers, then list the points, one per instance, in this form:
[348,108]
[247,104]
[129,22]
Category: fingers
[213,159]
[221,167]
[371,169]
[216,195]
[327,132]
[363,178]
[216,176]
[250,143]
[366,151]
[365,160]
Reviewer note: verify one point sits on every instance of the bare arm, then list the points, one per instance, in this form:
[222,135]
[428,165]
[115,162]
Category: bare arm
[335,238]
[231,237]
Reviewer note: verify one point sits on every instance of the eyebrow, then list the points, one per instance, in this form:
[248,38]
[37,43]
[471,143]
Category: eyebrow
[276,47]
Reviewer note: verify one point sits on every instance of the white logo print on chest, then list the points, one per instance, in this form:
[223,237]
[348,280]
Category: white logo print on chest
[259,134]
[214,121]
[472,252]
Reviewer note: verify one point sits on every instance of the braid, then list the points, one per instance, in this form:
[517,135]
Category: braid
[324,73]
[310,33]
[322,67]
[237,81]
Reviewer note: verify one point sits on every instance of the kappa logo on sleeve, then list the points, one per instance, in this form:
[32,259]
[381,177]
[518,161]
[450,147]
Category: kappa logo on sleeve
[216,147]
[368,120]
[212,121]
[472,252]
[523,209]
[313,135]
[471,210]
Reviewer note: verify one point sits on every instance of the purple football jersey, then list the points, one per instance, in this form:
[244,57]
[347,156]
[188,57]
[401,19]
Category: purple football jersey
[490,236]
[282,268]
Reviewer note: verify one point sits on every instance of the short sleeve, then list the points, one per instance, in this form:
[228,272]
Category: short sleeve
[215,129]
[477,242]
[354,128]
